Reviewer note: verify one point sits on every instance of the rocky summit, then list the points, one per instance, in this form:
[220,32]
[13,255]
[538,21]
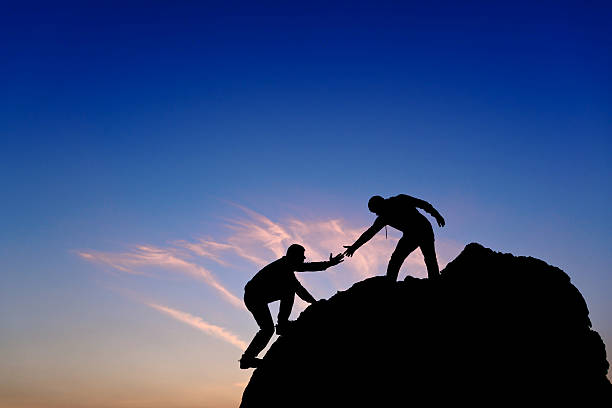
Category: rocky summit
[494,329]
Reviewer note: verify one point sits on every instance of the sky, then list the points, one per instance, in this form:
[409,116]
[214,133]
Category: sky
[156,155]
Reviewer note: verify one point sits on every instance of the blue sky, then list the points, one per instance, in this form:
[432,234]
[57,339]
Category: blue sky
[149,124]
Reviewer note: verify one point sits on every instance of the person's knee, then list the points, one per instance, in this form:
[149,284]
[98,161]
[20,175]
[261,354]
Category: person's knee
[267,329]
[252,301]
[428,249]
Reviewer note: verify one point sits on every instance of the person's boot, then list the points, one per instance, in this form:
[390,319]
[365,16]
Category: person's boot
[249,362]
[283,328]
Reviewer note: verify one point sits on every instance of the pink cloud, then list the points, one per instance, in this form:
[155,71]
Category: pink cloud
[259,240]
[148,256]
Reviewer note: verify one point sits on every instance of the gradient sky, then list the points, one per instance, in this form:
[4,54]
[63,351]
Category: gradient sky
[155,155]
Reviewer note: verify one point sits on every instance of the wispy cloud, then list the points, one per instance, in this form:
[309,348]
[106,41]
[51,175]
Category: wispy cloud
[148,256]
[259,240]
[221,252]
[197,322]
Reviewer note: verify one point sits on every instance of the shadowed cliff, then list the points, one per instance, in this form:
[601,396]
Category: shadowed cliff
[494,329]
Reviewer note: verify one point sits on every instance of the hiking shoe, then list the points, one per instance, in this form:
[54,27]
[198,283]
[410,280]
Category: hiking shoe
[249,362]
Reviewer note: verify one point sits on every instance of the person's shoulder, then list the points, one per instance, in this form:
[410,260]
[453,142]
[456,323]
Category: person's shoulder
[279,263]
[398,203]
[395,200]
[398,199]
[402,197]
[381,220]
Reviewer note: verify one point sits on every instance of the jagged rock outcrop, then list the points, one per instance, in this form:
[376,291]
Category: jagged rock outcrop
[495,329]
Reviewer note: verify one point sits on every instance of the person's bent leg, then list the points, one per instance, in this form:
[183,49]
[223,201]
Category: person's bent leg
[284,312]
[402,250]
[262,315]
[429,253]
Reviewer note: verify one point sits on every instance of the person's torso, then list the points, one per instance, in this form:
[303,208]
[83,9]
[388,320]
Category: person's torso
[403,216]
[273,282]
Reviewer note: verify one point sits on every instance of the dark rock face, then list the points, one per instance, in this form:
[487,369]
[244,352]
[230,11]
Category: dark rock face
[495,329]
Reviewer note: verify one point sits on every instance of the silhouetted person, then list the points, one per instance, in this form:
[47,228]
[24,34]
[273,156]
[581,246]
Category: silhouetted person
[277,281]
[401,213]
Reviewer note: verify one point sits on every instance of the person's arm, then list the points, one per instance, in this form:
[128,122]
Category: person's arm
[284,310]
[365,237]
[320,266]
[424,205]
[303,293]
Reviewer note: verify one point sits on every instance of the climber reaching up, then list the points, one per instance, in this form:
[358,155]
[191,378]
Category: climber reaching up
[277,281]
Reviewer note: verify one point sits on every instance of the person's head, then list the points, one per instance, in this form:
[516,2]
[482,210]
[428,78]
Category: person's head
[375,204]
[295,254]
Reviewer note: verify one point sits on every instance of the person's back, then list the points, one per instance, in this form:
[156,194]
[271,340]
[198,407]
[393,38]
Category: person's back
[400,212]
[273,281]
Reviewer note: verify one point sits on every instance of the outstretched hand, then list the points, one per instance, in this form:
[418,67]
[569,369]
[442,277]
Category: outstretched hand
[335,260]
[440,221]
[349,250]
